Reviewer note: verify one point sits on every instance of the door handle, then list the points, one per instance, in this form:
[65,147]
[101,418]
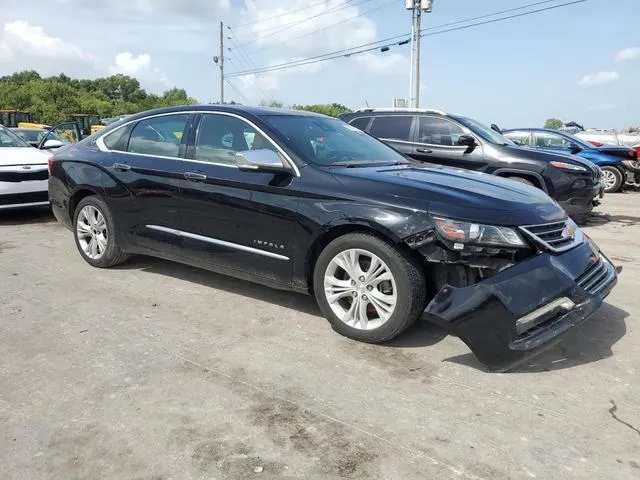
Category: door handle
[195,177]
[423,150]
[121,167]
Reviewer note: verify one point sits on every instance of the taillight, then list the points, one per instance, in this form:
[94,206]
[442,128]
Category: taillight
[49,164]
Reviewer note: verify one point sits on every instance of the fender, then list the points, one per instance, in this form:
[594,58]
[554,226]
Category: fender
[391,222]
[523,173]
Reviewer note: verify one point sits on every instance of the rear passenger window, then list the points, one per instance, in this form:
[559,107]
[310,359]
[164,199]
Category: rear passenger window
[160,136]
[438,131]
[521,138]
[114,140]
[396,127]
[360,122]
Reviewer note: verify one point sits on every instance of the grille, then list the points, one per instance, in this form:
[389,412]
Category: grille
[596,276]
[556,236]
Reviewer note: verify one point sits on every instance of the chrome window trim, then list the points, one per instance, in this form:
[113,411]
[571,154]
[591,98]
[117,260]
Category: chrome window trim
[103,148]
[215,241]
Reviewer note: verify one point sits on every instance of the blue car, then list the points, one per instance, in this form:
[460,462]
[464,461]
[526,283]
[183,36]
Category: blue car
[614,160]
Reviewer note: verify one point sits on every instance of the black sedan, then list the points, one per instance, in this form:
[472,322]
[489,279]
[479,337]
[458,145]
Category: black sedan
[304,202]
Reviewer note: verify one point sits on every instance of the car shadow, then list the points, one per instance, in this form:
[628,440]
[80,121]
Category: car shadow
[590,342]
[26,216]
[598,219]
[421,334]
[296,301]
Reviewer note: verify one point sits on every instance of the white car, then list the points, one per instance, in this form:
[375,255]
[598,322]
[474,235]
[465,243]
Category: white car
[23,172]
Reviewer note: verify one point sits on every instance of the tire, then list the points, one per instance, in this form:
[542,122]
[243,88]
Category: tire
[523,180]
[93,219]
[612,179]
[406,282]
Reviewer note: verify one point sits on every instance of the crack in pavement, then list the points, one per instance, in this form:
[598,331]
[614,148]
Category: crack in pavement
[613,410]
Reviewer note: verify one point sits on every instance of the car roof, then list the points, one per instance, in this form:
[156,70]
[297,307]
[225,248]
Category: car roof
[548,130]
[255,111]
[20,129]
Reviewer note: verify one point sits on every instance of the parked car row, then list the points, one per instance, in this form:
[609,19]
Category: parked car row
[303,202]
[436,137]
[619,163]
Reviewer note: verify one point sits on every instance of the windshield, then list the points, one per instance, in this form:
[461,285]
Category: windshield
[485,132]
[331,142]
[10,139]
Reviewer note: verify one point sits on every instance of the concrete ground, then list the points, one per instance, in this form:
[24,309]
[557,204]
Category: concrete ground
[158,371]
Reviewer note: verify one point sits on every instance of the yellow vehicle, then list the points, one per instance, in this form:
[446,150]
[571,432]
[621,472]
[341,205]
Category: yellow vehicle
[11,118]
[33,125]
[86,122]
[96,128]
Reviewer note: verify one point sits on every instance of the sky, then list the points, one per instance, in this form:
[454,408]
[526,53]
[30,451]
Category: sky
[578,63]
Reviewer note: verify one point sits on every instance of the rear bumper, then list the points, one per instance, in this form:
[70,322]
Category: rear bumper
[527,308]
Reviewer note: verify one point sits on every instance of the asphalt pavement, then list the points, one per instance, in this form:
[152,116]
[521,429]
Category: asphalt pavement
[155,370]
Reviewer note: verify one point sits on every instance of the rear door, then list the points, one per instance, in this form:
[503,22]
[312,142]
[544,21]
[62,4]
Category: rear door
[146,156]
[437,142]
[396,131]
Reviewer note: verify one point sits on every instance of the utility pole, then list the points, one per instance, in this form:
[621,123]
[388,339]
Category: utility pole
[417,7]
[219,60]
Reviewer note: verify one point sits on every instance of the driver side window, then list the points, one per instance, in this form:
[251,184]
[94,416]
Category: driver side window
[220,137]
[552,140]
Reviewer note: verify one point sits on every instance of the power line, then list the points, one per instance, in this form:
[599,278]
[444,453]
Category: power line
[237,91]
[280,14]
[352,50]
[285,26]
[247,60]
[379,7]
[252,79]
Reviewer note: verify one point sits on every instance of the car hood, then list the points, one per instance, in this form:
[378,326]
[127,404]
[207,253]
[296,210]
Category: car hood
[457,193]
[622,151]
[545,155]
[22,156]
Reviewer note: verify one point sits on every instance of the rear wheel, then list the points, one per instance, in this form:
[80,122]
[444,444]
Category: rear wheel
[95,234]
[611,179]
[367,288]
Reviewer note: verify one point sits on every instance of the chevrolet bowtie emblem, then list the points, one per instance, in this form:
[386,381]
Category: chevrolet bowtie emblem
[569,232]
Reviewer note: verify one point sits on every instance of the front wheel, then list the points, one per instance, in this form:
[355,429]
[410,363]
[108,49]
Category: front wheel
[367,288]
[95,234]
[611,179]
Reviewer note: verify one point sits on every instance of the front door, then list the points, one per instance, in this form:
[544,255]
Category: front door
[147,158]
[243,221]
[437,142]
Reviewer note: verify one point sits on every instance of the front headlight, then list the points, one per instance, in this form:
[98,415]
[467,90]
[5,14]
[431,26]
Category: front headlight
[463,233]
[568,166]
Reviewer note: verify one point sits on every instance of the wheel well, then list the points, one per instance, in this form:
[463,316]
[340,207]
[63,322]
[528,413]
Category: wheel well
[339,231]
[533,179]
[76,198]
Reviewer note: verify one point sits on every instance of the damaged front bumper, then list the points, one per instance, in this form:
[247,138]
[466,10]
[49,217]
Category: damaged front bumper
[517,313]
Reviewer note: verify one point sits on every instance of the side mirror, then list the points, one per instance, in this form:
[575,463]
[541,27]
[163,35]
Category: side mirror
[575,148]
[496,128]
[466,140]
[260,160]
[51,144]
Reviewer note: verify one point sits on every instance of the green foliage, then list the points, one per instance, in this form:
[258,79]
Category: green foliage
[55,99]
[331,109]
[272,104]
[553,123]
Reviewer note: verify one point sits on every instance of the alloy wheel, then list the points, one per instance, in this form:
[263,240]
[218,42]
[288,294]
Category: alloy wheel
[360,289]
[609,179]
[91,229]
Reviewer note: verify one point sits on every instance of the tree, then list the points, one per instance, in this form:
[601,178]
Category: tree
[553,123]
[55,99]
[332,109]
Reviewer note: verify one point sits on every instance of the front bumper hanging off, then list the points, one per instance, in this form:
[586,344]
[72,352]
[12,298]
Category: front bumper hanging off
[527,308]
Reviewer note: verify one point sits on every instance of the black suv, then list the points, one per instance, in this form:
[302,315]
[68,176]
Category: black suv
[436,137]
[308,203]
